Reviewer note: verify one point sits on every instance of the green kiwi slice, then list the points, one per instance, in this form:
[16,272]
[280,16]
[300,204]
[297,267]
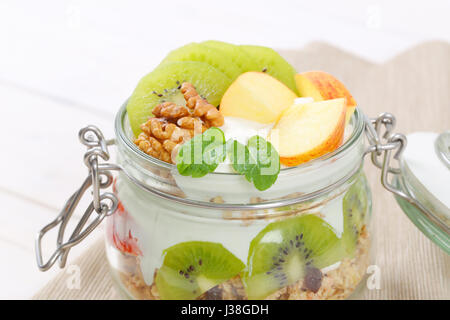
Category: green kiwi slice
[354,206]
[215,57]
[268,60]
[290,250]
[191,268]
[241,58]
[163,84]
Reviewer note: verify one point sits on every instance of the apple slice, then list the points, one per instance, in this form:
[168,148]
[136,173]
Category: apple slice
[323,86]
[256,96]
[308,131]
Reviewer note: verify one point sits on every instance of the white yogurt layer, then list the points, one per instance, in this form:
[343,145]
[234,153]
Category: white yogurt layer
[303,100]
[242,129]
[158,229]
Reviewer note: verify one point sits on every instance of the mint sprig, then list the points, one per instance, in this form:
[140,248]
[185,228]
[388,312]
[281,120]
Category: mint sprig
[240,158]
[258,161]
[202,154]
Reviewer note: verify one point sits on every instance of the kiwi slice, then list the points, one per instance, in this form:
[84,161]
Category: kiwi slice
[215,57]
[241,58]
[192,268]
[163,84]
[268,60]
[354,207]
[290,250]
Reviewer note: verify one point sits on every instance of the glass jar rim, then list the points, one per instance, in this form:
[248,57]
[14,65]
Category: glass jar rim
[358,121]
[358,128]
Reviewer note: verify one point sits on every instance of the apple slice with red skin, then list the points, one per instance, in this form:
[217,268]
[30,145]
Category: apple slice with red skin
[323,86]
[307,131]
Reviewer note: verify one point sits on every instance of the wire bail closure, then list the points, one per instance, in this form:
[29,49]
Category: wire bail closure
[383,142]
[103,204]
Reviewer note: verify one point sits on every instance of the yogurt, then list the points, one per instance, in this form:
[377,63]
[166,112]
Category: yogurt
[242,129]
[158,229]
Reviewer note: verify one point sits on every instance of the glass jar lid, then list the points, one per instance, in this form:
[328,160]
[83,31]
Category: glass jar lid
[425,176]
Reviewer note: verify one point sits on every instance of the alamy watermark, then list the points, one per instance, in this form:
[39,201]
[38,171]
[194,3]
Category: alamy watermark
[374,17]
[374,279]
[73,281]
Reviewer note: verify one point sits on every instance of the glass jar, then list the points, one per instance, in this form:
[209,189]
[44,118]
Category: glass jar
[173,237]
[316,217]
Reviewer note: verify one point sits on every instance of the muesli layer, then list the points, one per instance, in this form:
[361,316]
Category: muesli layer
[336,284]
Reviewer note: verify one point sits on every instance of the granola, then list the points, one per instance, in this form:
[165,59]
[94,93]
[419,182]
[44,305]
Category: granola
[336,284]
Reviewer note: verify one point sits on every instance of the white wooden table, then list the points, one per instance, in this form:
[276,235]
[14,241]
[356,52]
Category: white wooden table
[66,64]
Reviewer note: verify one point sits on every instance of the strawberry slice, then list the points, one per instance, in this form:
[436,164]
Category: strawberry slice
[117,232]
[128,245]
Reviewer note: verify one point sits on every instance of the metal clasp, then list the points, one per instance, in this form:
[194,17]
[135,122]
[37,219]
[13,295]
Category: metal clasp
[103,204]
[382,142]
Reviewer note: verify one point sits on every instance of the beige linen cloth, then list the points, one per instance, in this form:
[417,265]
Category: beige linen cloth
[415,87]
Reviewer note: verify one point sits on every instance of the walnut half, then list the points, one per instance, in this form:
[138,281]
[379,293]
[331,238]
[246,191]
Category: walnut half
[173,124]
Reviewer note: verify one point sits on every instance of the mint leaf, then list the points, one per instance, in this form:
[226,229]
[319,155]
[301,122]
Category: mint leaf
[240,158]
[258,161]
[202,154]
[267,168]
